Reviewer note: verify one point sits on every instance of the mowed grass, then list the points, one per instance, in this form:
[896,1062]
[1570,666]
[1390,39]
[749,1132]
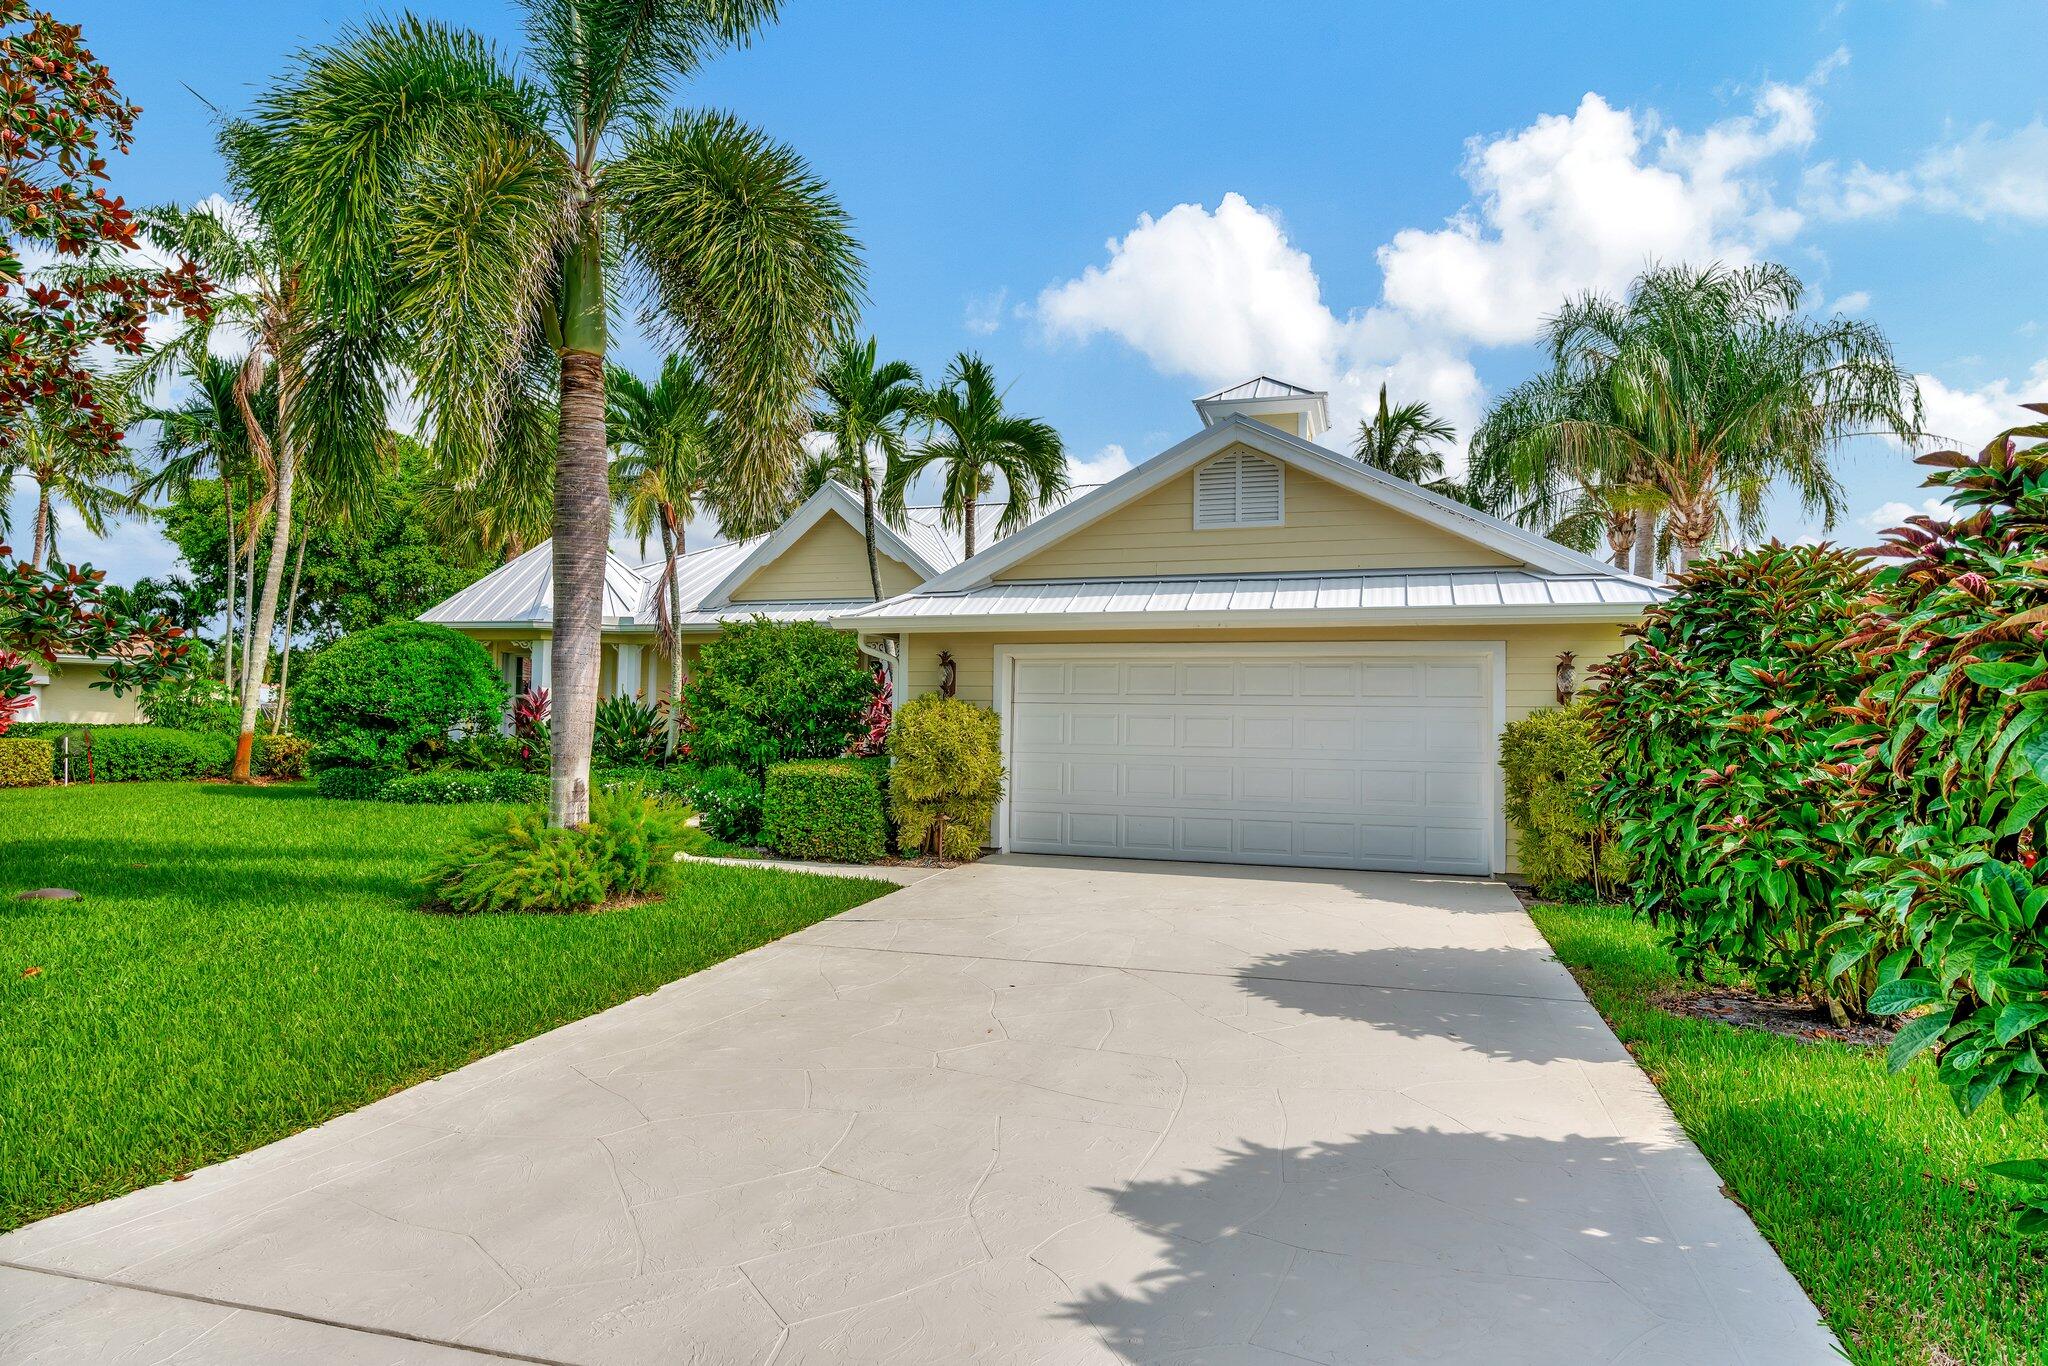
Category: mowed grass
[1870,1185]
[247,962]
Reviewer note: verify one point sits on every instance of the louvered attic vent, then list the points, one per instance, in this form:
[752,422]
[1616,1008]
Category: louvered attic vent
[1238,490]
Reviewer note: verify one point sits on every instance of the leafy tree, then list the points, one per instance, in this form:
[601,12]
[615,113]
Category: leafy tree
[59,112]
[976,443]
[865,406]
[671,455]
[479,225]
[1695,394]
[1402,440]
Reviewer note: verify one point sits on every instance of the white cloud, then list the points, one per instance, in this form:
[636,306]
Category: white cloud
[1885,516]
[1986,174]
[1855,301]
[984,312]
[1968,418]
[1099,468]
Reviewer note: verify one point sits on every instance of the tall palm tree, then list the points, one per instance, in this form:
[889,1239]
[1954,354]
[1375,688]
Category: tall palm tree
[669,441]
[974,443]
[1401,440]
[93,484]
[865,406]
[1697,394]
[479,226]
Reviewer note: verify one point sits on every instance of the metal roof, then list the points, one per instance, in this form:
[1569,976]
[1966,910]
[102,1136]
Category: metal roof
[1264,386]
[524,591]
[1494,592]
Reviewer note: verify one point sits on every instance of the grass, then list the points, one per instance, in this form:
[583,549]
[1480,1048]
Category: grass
[1870,1185]
[247,962]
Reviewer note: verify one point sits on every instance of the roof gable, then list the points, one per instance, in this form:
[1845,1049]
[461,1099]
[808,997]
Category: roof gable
[1492,541]
[833,499]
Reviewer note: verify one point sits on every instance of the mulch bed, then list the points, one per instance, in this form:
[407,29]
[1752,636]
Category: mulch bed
[1793,1018]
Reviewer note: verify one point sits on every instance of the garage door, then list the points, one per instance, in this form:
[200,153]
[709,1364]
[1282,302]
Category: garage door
[1347,761]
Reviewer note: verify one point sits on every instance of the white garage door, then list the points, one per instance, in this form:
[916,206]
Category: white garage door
[1324,760]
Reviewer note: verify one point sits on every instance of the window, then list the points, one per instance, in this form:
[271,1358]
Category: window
[1240,489]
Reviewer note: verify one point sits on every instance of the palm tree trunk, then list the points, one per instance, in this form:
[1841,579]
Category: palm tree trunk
[1621,537]
[251,530]
[42,534]
[672,551]
[1645,544]
[291,604]
[867,506]
[256,660]
[582,529]
[967,517]
[227,636]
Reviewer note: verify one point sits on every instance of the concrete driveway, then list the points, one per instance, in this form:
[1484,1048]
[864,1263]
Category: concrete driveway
[1035,1110]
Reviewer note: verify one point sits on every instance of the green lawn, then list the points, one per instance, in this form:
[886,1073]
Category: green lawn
[1869,1185]
[247,962]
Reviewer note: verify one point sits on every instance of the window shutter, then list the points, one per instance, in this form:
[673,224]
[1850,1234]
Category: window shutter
[1238,490]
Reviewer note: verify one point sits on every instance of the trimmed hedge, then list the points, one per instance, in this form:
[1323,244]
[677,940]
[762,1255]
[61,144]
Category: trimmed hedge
[143,754]
[392,695]
[26,760]
[833,809]
[350,784]
[446,787]
[948,775]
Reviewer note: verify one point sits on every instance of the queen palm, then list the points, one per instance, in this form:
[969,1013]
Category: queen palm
[1401,440]
[668,437]
[974,443]
[479,224]
[1697,394]
[865,406]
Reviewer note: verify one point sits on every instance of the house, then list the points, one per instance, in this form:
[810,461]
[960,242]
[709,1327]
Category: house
[1248,649]
[63,692]
[1251,649]
[813,567]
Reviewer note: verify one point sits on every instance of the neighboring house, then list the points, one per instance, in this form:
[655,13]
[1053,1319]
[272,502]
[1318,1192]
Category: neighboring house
[64,692]
[1248,649]
[1251,649]
[813,567]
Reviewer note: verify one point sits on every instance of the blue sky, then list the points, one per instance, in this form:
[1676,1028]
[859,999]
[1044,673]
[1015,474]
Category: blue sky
[1123,205]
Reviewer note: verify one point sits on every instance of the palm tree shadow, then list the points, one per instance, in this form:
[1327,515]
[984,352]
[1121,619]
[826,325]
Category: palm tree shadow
[1420,1245]
[1509,1003]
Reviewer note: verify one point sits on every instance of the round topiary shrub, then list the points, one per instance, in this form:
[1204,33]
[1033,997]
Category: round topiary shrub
[394,695]
[766,692]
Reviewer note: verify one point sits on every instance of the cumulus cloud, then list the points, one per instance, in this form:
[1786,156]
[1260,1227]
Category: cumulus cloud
[1966,418]
[984,312]
[1099,468]
[1855,301]
[1571,203]
[1986,174]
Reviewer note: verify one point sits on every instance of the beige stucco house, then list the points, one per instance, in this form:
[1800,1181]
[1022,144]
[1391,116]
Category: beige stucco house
[63,692]
[1248,649]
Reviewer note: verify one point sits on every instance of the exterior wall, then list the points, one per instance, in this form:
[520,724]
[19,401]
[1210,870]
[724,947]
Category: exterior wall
[828,561]
[1326,529]
[70,696]
[1531,669]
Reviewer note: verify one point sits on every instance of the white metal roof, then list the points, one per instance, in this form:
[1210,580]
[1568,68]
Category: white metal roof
[1488,594]
[1264,386]
[524,591]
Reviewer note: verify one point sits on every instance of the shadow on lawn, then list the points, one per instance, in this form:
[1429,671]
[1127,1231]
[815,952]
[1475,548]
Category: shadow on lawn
[1418,1243]
[1507,1003]
[223,877]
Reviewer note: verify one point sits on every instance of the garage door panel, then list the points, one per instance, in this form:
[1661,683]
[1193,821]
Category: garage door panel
[1381,762]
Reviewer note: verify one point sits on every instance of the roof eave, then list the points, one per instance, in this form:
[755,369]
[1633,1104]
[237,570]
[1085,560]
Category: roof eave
[1586,613]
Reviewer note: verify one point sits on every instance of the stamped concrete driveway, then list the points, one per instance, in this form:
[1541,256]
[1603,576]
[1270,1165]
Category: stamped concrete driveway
[1033,1111]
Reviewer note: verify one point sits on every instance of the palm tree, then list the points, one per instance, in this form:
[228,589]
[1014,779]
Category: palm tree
[94,484]
[1696,395]
[866,407]
[975,443]
[668,436]
[1402,440]
[479,226]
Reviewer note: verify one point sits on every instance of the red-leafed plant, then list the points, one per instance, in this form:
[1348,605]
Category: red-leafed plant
[45,612]
[873,737]
[530,722]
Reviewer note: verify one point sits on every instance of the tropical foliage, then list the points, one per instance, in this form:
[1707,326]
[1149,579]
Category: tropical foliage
[1688,400]
[947,775]
[47,611]
[488,219]
[765,692]
[1403,440]
[520,864]
[393,696]
[976,444]
[865,406]
[1552,764]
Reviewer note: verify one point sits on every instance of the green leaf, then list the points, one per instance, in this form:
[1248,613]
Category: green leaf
[1915,1037]
[2017,1018]
[1894,998]
[2002,676]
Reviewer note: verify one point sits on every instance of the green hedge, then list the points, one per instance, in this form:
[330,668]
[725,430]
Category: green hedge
[282,756]
[350,784]
[1553,763]
[137,754]
[25,760]
[445,787]
[728,801]
[832,809]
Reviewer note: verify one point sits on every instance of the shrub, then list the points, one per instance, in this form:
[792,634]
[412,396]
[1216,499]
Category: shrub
[728,802]
[1716,720]
[282,756]
[1553,763]
[628,731]
[122,754]
[767,692]
[827,809]
[520,865]
[947,777]
[26,761]
[390,697]
[447,786]
[192,701]
[350,784]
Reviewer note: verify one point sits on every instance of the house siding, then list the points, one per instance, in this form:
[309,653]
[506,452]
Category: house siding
[1324,529]
[828,561]
[70,696]
[1532,652]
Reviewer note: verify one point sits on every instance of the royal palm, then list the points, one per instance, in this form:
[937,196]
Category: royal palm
[478,222]
[866,405]
[975,442]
